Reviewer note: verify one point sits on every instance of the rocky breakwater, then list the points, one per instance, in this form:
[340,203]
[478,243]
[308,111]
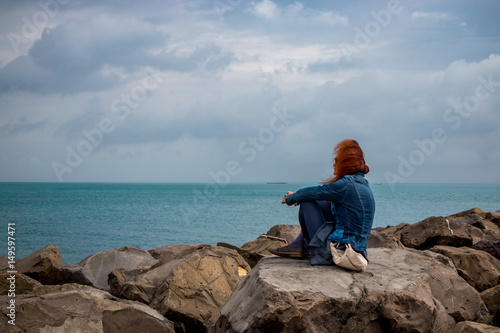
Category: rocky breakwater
[176,288]
[439,275]
[424,277]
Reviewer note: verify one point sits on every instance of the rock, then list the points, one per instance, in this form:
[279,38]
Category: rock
[261,245]
[478,268]
[392,231]
[468,212]
[494,217]
[491,298]
[286,231]
[252,258]
[4,263]
[380,239]
[472,327]
[23,283]
[190,290]
[402,290]
[116,281]
[42,265]
[81,310]
[490,247]
[437,231]
[174,251]
[94,269]
[455,230]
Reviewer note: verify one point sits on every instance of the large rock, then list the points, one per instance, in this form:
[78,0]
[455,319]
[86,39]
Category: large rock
[491,298]
[393,232]
[462,229]
[468,212]
[437,231]
[173,251]
[479,268]
[94,269]
[490,247]
[494,217]
[401,291]
[4,263]
[472,327]
[189,290]
[43,265]
[81,310]
[277,236]
[380,239]
[252,258]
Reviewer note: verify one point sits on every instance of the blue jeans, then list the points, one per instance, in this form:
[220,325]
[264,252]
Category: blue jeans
[312,215]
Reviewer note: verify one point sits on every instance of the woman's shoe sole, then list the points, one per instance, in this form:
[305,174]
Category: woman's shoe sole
[295,255]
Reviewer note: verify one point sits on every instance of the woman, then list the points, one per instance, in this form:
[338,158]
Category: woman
[340,210]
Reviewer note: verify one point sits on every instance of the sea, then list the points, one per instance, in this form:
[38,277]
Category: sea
[85,218]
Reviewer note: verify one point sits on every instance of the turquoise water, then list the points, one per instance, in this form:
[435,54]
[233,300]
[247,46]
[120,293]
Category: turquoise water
[84,218]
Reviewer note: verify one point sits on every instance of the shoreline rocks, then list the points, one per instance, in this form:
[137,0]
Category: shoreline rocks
[416,294]
[438,275]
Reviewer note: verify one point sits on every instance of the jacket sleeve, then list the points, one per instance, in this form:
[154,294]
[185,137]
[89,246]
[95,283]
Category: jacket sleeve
[335,192]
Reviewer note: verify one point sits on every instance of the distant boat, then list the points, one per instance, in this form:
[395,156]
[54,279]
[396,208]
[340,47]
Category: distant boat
[378,183]
[276,183]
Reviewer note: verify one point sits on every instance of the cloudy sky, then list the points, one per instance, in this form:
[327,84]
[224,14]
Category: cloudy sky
[248,91]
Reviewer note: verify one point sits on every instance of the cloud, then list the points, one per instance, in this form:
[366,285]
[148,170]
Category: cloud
[432,16]
[296,13]
[77,56]
[266,9]
[222,77]
[21,126]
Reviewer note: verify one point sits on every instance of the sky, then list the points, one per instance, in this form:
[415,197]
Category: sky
[233,91]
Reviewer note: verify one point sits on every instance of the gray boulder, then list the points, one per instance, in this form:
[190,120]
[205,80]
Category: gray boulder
[494,217]
[490,247]
[472,327]
[85,309]
[491,298]
[173,251]
[461,229]
[381,239]
[277,236]
[188,290]
[94,269]
[43,265]
[480,269]
[401,291]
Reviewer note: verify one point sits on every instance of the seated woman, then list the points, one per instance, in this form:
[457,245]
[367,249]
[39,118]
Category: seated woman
[340,210]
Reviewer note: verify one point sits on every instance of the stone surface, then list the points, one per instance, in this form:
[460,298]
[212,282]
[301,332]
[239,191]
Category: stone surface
[491,298]
[437,231]
[461,229]
[81,310]
[381,239]
[392,231]
[23,283]
[252,258]
[42,265]
[94,269]
[174,251]
[4,263]
[472,327]
[481,213]
[490,247]
[494,217]
[401,291]
[190,290]
[262,244]
[478,268]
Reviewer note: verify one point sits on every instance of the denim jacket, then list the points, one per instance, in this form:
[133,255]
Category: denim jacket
[352,205]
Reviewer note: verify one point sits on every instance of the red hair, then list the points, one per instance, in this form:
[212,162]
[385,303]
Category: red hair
[348,159]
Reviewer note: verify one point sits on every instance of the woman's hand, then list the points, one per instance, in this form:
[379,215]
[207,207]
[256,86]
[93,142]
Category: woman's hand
[284,199]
